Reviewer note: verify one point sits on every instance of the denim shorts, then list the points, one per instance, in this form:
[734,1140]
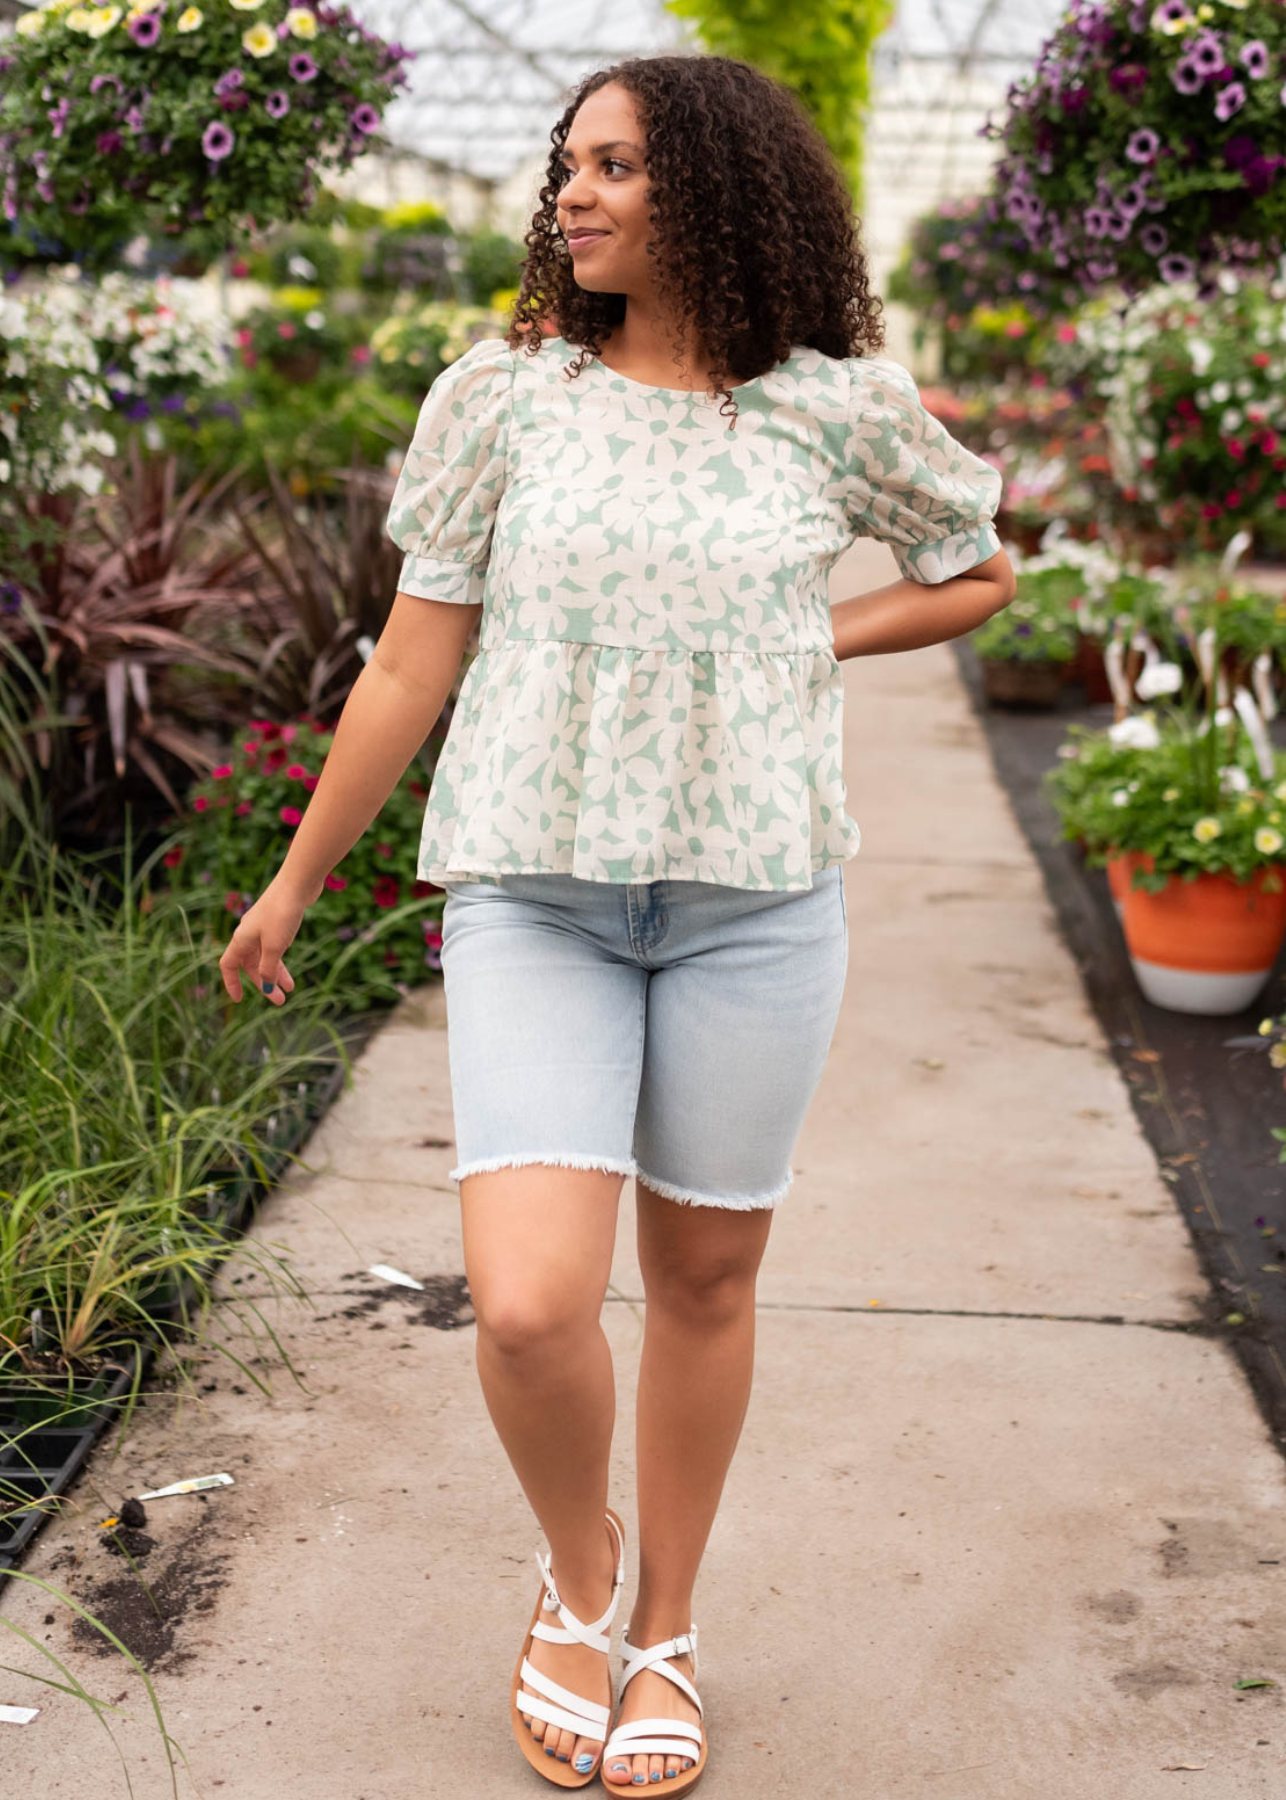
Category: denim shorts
[672,1030]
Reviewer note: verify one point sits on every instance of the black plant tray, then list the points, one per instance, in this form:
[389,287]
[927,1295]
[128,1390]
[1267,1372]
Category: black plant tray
[40,1458]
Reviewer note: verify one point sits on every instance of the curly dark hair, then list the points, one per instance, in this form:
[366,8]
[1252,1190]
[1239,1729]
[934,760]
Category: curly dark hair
[756,236]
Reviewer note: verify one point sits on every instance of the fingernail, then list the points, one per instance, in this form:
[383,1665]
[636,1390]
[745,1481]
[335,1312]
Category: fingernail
[266,986]
[584,1763]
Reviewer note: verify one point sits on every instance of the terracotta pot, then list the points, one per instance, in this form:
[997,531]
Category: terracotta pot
[1019,683]
[1208,945]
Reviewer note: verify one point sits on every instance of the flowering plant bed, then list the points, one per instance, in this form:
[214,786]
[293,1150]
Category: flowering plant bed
[169,117]
[1148,143]
[380,916]
[1195,396]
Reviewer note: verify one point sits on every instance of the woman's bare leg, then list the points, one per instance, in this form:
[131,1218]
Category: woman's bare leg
[699,1268]
[538,1244]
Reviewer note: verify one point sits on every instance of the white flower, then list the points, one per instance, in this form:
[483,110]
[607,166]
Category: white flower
[1160,678]
[1267,841]
[1138,731]
[1233,780]
[1205,830]
[1120,797]
[1220,392]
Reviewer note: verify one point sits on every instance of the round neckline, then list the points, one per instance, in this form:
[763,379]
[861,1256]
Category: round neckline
[648,387]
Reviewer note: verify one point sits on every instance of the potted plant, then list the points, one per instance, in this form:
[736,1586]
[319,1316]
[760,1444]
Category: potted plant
[1025,650]
[1194,816]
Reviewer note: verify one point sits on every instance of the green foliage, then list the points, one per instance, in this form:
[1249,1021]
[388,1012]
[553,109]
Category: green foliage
[820,49]
[492,262]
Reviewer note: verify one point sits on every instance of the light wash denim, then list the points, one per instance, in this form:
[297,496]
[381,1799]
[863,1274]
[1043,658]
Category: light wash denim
[673,1030]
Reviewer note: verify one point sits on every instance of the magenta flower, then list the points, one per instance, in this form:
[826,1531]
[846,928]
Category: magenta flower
[1229,100]
[107,143]
[58,115]
[290,815]
[217,141]
[365,118]
[301,66]
[145,30]
[102,81]
[277,105]
[1255,56]
[226,83]
[1186,76]
[1206,53]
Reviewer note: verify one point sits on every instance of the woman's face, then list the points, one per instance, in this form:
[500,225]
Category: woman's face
[604,192]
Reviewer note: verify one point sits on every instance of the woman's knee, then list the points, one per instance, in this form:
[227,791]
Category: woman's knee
[530,1322]
[712,1292]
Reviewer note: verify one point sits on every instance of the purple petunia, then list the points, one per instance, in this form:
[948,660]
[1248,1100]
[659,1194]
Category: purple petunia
[1176,268]
[227,84]
[1154,239]
[1095,220]
[217,141]
[277,104]
[145,30]
[1142,145]
[1206,53]
[102,81]
[301,66]
[1186,76]
[107,143]
[1255,57]
[1229,100]
[365,118]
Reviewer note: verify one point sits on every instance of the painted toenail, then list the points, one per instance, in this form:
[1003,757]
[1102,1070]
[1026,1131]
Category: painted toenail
[563,1757]
[638,1778]
[657,1776]
[548,1751]
[584,1762]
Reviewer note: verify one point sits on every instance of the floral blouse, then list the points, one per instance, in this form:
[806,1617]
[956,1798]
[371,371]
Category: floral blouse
[656,692]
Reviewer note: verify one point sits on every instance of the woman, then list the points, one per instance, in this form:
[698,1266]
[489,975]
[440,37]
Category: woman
[638,814]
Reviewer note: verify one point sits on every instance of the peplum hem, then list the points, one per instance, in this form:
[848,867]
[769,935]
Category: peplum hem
[624,764]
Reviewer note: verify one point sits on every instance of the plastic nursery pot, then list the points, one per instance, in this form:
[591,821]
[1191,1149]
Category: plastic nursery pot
[1022,683]
[1091,669]
[1204,946]
[1120,866]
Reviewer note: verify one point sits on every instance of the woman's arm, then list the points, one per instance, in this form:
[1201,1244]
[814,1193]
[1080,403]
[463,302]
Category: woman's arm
[906,615]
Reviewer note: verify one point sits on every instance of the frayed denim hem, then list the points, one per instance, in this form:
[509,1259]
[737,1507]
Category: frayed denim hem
[739,1202]
[609,1165]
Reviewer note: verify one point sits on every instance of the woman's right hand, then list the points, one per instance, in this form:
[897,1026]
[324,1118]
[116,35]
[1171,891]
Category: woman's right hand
[264,934]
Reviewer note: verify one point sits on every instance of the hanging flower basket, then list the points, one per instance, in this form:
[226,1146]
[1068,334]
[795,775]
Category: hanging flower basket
[205,122]
[1149,143]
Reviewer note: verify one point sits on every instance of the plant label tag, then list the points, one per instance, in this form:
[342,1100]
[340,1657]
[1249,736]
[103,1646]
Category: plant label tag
[194,1486]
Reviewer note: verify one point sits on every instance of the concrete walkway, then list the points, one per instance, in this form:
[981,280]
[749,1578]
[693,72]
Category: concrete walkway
[976,1543]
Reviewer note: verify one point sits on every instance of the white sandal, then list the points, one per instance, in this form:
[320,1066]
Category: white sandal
[543,1698]
[671,1738]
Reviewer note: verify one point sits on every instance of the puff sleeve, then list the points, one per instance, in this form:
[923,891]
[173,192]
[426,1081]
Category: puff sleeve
[910,483]
[444,503]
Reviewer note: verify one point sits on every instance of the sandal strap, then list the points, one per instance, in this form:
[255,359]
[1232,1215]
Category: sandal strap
[652,1656]
[545,1684]
[573,1629]
[680,1736]
[559,1715]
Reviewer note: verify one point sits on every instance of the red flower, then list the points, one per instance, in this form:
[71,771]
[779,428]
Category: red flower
[335,882]
[1211,509]
[1232,498]
[221,773]
[290,815]
[232,902]
[421,889]
[251,746]
[200,803]
[296,771]
[383,849]
[285,329]
[244,808]
[1261,359]
[289,733]
[266,726]
[310,782]
[1268,442]
[244,336]
[173,858]
[275,757]
[1235,448]
[385,891]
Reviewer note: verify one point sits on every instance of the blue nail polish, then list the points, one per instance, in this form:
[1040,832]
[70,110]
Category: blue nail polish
[657,1776]
[266,986]
[584,1763]
[548,1751]
[638,1778]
